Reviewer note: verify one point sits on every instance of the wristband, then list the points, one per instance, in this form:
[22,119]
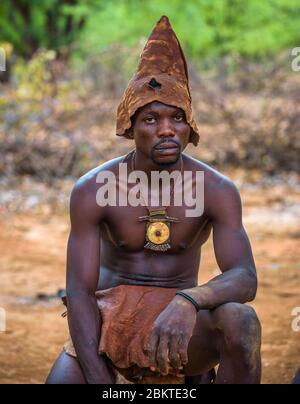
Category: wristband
[189,298]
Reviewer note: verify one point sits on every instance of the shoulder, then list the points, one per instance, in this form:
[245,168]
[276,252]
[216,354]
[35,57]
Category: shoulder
[214,179]
[220,192]
[87,183]
[83,195]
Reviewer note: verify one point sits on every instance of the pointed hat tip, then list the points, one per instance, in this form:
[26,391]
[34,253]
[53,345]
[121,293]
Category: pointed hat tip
[164,19]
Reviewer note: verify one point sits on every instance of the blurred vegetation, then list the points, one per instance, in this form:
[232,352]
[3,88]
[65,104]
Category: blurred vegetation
[206,28]
[31,24]
[68,62]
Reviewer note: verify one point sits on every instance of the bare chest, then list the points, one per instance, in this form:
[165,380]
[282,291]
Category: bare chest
[124,228]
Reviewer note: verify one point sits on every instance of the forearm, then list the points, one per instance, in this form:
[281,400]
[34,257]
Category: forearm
[237,285]
[85,328]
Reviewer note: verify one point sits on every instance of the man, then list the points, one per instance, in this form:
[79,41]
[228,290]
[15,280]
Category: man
[126,264]
[296,379]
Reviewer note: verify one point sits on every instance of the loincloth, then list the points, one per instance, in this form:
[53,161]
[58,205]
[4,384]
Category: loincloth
[127,314]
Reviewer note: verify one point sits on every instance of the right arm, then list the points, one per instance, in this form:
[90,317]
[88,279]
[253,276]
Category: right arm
[83,262]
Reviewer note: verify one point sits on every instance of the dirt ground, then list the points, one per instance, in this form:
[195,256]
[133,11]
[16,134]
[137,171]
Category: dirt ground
[32,261]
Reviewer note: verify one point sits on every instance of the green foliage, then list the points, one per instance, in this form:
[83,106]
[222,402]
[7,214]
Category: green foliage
[207,28]
[32,24]
[33,79]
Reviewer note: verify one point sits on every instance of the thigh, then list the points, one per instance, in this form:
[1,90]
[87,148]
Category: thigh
[203,351]
[66,370]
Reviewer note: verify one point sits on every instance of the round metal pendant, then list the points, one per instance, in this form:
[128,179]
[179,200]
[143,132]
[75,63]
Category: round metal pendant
[158,232]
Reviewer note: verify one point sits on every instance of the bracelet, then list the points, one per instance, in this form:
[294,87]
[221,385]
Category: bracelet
[190,299]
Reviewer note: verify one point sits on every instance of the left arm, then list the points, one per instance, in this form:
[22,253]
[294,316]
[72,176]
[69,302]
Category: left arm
[173,328]
[238,281]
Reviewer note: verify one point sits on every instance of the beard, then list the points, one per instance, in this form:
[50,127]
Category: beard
[173,160]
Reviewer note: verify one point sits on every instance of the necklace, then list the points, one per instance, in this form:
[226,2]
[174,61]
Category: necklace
[158,223]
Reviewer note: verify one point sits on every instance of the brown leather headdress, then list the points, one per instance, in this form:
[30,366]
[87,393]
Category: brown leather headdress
[161,76]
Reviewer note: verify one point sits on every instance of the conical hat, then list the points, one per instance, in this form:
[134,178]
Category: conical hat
[161,76]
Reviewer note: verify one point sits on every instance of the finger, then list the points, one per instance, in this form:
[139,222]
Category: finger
[162,355]
[183,349]
[152,349]
[174,356]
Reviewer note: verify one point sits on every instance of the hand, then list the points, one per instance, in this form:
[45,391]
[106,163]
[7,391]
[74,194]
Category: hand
[170,335]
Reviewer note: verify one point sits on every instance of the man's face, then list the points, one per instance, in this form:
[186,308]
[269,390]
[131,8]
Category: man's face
[161,132]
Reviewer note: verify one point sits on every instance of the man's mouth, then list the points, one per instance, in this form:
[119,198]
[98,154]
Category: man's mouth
[167,146]
[173,151]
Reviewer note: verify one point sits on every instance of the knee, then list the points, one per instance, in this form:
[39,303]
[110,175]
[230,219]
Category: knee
[240,328]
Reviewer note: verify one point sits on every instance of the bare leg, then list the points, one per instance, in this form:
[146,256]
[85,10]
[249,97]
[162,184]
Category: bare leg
[67,370]
[203,350]
[207,378]
[296,379]
[240,360]
[229,336]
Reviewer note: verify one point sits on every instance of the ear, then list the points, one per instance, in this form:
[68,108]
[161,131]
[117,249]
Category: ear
[129,133]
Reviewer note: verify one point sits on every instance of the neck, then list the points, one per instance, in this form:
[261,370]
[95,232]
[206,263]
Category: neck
[146,164]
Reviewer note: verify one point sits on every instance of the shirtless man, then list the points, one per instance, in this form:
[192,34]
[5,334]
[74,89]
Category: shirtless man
[224,331]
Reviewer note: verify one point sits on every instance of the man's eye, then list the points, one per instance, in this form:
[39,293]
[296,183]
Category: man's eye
[149,120]
[179,118]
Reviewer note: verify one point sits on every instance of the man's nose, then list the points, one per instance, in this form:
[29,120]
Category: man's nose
[166,129]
